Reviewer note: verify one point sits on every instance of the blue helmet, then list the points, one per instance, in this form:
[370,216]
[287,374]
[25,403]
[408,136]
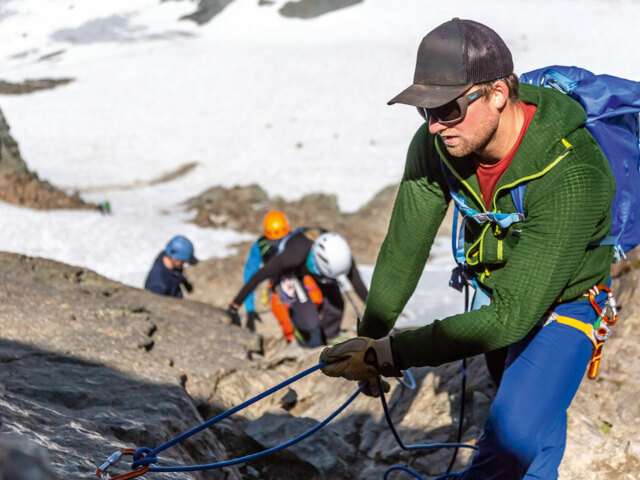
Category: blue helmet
[181,248]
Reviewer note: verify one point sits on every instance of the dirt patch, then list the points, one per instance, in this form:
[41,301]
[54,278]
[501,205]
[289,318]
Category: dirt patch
[169,176]
[26,190]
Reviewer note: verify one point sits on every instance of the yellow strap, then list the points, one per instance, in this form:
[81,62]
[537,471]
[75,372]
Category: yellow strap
[585,328]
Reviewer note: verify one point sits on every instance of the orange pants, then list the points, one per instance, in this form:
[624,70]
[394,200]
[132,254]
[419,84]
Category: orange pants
[281,310]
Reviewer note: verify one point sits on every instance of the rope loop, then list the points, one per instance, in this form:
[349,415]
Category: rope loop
[142,457]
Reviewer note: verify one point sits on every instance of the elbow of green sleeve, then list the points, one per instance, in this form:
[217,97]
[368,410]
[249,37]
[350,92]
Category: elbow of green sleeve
[372,328]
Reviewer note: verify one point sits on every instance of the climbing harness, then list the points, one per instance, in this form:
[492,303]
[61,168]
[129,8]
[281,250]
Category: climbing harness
[597,333]
[601,330]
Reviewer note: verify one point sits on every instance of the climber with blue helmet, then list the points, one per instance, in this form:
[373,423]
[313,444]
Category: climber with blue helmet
[166,277]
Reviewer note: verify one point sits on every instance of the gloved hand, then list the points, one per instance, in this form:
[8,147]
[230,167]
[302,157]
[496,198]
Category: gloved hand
[187,285]
[252,318]
[372,389]
[232,311]
[360,358]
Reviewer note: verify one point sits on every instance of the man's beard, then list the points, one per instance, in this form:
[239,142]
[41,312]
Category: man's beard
[474,143]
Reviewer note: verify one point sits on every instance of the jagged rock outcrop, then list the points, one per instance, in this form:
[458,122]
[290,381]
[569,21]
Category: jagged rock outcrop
[11,161]
[20,186]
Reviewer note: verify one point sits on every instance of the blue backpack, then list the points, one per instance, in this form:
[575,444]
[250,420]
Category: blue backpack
[612,105]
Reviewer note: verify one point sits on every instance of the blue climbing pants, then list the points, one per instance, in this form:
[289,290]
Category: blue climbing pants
[524,437]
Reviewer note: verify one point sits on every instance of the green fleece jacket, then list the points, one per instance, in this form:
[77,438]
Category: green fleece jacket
[527,267]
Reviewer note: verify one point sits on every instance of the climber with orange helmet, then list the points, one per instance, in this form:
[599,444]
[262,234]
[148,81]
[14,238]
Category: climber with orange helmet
[276,226]
[326,258]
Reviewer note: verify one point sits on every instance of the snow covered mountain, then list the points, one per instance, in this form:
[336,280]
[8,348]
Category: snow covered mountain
[249,96]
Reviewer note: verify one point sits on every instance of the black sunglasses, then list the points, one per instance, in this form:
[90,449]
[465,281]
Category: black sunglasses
[454,111]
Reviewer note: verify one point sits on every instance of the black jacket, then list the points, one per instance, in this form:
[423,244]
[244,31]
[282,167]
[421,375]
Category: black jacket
[164,281]
[293,261]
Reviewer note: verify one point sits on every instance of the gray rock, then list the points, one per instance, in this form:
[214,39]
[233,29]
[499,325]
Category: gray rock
[10,159]
[206,10]
[24,460]
[314,8]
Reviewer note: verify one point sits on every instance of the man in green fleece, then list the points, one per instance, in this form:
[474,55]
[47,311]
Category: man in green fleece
[484,137]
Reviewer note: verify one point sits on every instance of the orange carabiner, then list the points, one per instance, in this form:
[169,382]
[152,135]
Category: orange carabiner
[113,459]
[611,303]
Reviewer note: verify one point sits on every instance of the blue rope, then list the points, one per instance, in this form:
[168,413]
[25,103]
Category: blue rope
[413,447]
[402,445]
[448,473]
[402,469]
[414,474]
[151,455]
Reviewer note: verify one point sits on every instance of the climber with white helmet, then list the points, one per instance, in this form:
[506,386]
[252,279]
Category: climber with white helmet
[166,277]
[326,258]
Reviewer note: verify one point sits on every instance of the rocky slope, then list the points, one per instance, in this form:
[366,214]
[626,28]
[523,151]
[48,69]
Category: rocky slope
[90,366]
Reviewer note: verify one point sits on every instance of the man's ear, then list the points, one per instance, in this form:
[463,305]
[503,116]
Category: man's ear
[499,94]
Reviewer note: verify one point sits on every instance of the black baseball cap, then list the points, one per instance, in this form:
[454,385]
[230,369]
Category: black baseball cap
[451,58]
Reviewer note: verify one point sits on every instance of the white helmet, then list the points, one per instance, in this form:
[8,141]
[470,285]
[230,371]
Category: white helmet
[332,255]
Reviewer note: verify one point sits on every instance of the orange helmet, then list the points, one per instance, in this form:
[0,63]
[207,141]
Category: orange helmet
[276,225]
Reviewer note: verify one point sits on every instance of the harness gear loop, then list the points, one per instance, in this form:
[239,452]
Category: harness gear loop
[594,364]
[115,458]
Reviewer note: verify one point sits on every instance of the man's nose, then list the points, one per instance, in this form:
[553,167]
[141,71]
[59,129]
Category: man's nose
[435,126]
